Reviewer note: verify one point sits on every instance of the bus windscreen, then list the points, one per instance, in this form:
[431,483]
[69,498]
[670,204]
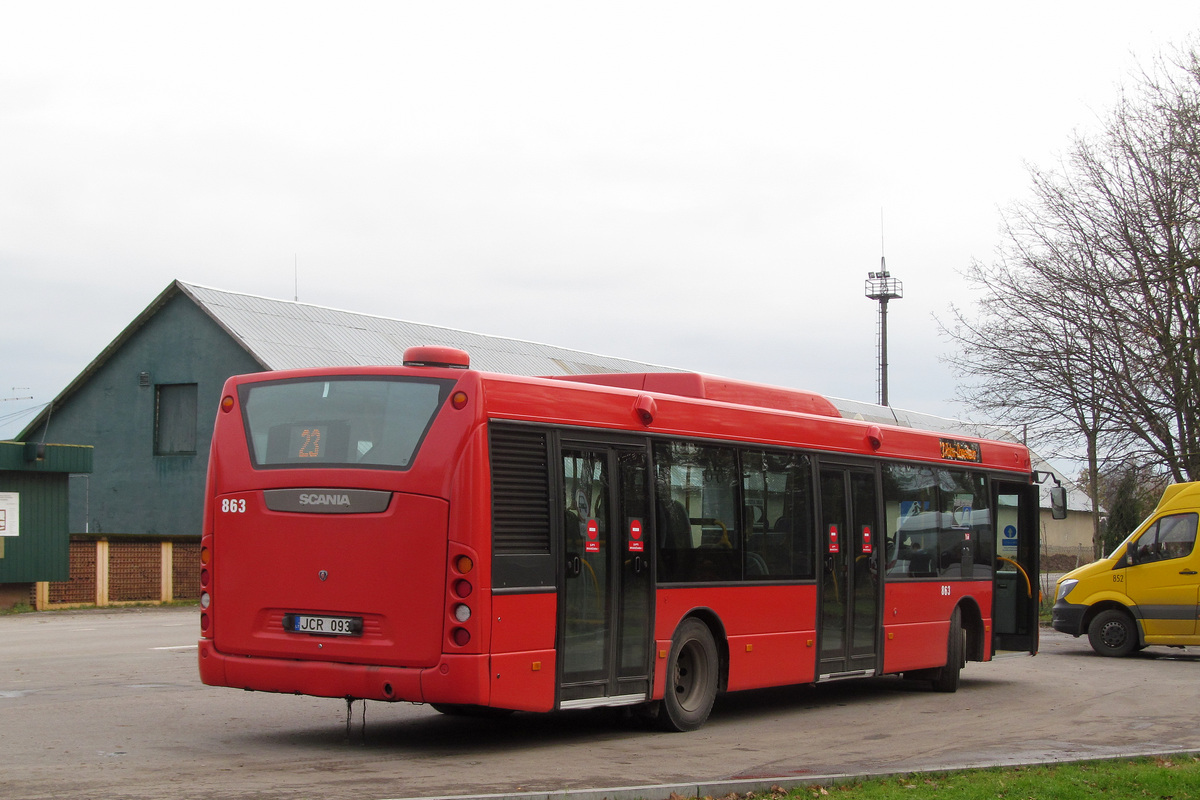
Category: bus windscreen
[374,423]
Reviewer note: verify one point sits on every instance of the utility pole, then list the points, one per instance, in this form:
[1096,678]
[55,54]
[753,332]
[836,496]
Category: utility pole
[882,286]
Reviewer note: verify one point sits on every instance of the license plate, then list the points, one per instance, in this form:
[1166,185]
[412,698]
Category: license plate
[322,625]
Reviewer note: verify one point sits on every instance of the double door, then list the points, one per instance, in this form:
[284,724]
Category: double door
[606,589]
[850,577]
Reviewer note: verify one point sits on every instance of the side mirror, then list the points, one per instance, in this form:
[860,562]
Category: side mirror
[1058,502]
[1130,557]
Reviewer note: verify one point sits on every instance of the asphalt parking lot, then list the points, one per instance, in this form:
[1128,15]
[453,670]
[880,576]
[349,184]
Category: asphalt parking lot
[107,704]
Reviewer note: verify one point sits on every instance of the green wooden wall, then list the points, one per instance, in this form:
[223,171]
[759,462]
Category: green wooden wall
[40,552]
[131,489]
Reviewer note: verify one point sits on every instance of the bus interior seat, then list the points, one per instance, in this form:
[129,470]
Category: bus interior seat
[674,529]
[920,565]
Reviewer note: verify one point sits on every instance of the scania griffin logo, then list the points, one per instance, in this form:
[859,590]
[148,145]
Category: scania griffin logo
[324,500]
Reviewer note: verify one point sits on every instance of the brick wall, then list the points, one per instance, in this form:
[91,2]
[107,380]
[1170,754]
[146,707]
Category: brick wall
[80,588]
[135,571]
[185,570]
[107,569]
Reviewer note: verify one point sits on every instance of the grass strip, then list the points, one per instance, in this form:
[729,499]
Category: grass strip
[1175,777]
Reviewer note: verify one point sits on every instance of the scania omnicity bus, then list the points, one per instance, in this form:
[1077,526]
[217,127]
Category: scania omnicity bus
[435,534]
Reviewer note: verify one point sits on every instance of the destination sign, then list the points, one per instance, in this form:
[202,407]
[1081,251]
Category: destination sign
[957,450]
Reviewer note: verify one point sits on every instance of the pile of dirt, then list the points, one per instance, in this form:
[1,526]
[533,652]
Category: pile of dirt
[1061,562]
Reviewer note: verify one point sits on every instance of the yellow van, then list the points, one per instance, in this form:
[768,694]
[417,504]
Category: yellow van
[1148,591]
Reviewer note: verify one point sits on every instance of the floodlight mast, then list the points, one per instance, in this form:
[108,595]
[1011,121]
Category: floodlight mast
[882,286]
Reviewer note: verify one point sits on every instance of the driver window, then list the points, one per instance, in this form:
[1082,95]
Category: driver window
[1169,537]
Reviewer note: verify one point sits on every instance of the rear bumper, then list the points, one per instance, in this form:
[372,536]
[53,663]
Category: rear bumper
[456,678]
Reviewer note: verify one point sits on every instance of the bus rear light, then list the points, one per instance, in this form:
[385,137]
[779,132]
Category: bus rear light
[204,623]
[464,564]
[204,578]
[205,555]
[205,600]
[463,589]
[460,637]
[227,403]
[462,612]
[459,400]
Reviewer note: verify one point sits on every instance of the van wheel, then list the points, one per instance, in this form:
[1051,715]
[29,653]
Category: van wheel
[956,647]
[692,674]
[1113,633]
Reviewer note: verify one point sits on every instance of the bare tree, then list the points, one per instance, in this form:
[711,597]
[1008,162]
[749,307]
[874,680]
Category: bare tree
[1087,329]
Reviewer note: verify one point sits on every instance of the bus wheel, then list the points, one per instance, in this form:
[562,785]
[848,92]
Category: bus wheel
[692,674]
[1113,633]
[947,676]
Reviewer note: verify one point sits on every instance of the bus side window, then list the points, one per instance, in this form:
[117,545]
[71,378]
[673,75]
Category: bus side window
[780,540]
[697,485]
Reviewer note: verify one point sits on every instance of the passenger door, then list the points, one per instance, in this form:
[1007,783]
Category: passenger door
[1015,589]
[850,578]
[607,586]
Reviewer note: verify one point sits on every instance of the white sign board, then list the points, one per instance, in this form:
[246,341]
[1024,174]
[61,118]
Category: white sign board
[9,513]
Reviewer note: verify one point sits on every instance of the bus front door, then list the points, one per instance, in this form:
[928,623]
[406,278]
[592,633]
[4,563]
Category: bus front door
[1015,591]
[849,619]
[606,590]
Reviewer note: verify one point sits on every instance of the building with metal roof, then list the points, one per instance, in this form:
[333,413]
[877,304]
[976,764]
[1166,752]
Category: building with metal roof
[148,399]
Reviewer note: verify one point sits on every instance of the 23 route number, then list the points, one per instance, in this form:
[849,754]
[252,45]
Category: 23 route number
[233,506]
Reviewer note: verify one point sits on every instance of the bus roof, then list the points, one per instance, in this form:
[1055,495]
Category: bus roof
[708,387]
[670,403]
[690,404]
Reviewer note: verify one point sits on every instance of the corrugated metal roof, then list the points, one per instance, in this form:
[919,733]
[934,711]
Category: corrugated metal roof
[289,335]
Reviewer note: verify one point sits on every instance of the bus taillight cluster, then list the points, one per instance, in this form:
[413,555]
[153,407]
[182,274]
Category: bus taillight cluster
[460,590]
[205,596]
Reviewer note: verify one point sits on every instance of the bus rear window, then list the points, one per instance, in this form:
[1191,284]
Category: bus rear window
[339,422]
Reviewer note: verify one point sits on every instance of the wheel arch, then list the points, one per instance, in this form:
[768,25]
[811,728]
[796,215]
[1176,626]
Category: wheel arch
[717,628]
[971,618]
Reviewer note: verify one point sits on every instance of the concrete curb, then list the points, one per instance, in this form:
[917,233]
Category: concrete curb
[722,788]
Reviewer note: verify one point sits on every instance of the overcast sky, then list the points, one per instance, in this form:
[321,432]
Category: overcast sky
[700,185]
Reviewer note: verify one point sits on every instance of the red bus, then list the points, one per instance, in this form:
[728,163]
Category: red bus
[431,533]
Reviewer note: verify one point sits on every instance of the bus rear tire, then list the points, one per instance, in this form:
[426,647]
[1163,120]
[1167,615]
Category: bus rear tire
[947,677]
[692,675]
[1113,633]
